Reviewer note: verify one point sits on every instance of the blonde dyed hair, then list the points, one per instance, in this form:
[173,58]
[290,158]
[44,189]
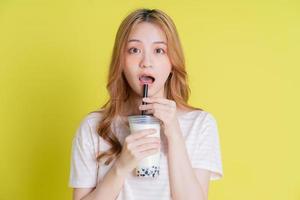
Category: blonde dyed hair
[176,86]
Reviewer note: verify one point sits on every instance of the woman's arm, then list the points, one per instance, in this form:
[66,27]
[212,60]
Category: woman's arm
[185,181]
[136,147]
[107,189]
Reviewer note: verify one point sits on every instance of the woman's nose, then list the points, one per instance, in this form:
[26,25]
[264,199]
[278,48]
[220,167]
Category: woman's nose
[146,61]
[146,66]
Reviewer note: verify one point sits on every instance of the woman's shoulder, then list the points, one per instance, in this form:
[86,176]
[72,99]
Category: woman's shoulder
[93,117]
[195,114]
[198,122]
[88,123]
[188,112]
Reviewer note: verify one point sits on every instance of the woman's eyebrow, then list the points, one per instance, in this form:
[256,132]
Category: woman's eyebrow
[160,42]
[156,42]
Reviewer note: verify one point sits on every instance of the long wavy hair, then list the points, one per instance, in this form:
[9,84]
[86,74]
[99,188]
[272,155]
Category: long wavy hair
[176,86]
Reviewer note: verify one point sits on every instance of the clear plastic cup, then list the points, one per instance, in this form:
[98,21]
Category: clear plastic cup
[149,166]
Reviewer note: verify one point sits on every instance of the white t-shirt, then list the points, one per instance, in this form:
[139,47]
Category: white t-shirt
[199,129]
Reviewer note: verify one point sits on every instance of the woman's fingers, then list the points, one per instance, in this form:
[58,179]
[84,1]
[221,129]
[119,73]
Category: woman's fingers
[139,134]
[153,111]
[141,138]
[149,152]
[145,140]
[147,147]
[153,106]
[143,144]
[158,100]
[137,146]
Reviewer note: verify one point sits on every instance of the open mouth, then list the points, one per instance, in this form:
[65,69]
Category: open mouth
[146,79]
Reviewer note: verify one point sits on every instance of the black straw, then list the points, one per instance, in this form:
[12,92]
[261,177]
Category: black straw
[145,94]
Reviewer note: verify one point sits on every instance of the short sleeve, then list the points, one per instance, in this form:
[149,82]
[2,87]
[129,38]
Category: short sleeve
[207,152]
[83,170]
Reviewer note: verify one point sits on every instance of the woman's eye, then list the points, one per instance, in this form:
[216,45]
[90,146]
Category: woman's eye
[134,50]
[160,51]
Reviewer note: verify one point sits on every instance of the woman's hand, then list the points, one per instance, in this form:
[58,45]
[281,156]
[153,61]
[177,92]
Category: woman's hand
[137,146]
[163,109]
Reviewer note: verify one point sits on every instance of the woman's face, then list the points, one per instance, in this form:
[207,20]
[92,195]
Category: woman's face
[146,55]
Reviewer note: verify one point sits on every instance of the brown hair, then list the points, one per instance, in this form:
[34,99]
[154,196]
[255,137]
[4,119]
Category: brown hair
[176,85]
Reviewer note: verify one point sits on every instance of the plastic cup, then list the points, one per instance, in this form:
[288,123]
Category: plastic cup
[148,166]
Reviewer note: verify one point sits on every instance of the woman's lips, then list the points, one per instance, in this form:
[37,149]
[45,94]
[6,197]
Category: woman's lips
[146,80]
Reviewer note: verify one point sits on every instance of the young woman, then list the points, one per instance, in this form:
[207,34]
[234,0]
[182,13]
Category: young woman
[104,154]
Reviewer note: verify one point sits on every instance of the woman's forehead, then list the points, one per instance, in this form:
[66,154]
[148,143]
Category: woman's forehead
[146,31]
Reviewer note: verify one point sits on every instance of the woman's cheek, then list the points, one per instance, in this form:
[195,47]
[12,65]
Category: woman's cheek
[132,60]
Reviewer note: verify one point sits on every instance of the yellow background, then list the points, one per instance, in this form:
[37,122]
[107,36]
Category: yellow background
[243,64]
